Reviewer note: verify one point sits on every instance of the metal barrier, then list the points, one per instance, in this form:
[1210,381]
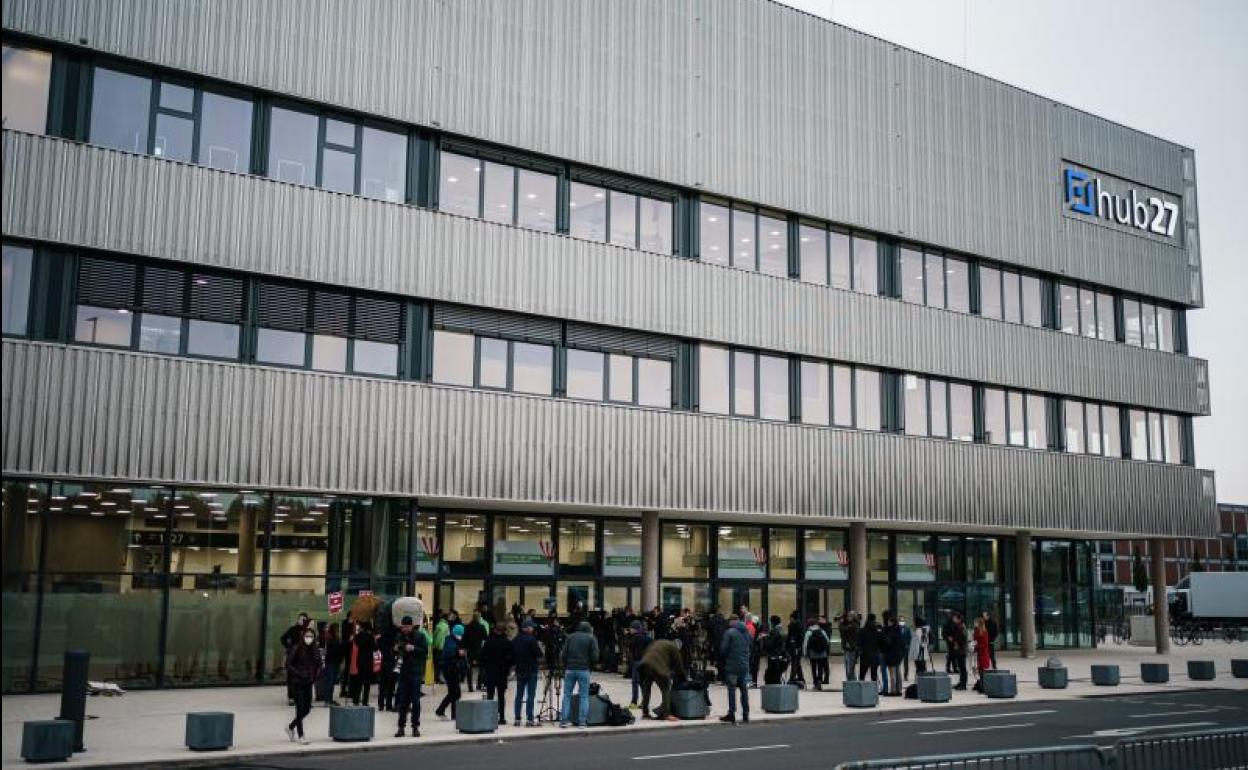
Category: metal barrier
[1206,750]
[1044,758]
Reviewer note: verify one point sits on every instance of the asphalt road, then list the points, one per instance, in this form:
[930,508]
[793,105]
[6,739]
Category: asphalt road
[821,742]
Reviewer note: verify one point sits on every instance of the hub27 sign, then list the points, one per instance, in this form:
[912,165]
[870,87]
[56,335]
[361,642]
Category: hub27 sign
[1121,204]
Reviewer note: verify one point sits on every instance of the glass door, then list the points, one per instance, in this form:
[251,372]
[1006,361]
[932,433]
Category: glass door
[505,596]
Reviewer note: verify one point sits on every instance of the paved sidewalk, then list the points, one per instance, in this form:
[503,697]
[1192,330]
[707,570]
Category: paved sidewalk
[147,727]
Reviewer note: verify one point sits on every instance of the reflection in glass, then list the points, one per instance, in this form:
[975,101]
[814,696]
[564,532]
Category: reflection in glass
[27,74]
[813,253]
[492,367]
[773,253]
[532,368]
[209,338]
[380,358]
[843,395]
[120,104]
[1011,302]
[1111,427]
[961,413]
[744,243]
[867,399]
[329,354]
[383,165]
[18,261]
[656,225]
[957,285]
[1037,422]
[459,185]
[587,211]
[292,146]
[102,326]
[1073,416]
[621,377]
[912,276]
[277,346]
[1031,300]
[713,378]
[452,358]
[989,292]
[174,137]
[536,206]
[1018,418]
[714,246]
[994,416]
[160,334]
[773,383]
[225,133]
[935,280]
[743,396]
[500,190]
[338,171]
[654,382]
[866,278]
[816,391]
[914,397]
[938,396]
[585,374]
[623,218]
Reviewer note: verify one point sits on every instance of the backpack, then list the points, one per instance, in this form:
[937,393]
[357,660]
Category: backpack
[617,716]
[912,692]
[776,644]
[818,641]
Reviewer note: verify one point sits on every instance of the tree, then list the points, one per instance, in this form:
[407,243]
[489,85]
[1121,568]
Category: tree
[1139,575]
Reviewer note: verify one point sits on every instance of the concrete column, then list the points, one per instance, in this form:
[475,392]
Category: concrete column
[247,547]
[651,540]
[1161,605]
[1026,595]
[858,567]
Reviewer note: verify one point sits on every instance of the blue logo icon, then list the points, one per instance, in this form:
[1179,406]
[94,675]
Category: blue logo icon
[1080,192]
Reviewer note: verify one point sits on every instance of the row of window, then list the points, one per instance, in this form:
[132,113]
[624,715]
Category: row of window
[232,130]
[173,310]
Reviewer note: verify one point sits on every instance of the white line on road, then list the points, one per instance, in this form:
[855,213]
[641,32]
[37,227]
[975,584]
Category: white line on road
[966,716]
[1126,732]
[713,751]
[1174,713]
[975,729]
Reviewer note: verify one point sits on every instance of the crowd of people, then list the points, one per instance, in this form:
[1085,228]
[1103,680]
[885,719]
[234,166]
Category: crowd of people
[327,662]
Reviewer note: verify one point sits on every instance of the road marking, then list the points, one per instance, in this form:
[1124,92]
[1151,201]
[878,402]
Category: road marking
[976,729]
[1124,732]
[1174,713]
[714,751]
[967,716]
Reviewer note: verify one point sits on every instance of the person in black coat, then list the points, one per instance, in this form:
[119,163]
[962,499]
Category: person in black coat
[796,635]
[869,643]
[360,663]
[526,654]
[290,640]
[409,652]
[334,651]
[385,643]
[496,662]
[303,667]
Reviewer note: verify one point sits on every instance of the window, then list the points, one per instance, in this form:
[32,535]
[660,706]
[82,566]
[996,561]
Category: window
[492,363]
[813,254]
[598,376]
[843,395]
[961,412]
[277,346]
[865,268]
[994,416]
[914,397]
[912,276]
[816,389]
[27,74]
[1037,422]
[1106,323]
[160,334]
[1165,329]
[655,225]
[337,154]
[654,382]
[452,357]
[773,246]
[1017,418]
[1148,321]
[622,208]
[1073,411]
[282,315]
[459,185]
[1031,301]
[1173,438]
[773,381]
[377,328]
[744,242]
[1068,308]
[621,378]
[1138,424]
[533,368]
[120,106]
[1132,322]
[714,234]
[329,353]
[497,192]
[743,379]
[1011,297]
[867,399]
[175,122]
[713,379]
[989,292]
[1156,451]
[1092,415]
[957,285]
[585,375]
[1111,431]
[212,339]
[938,408]
[18,264]
[225,133]
[934,280]
[1087,312]
[103,326]
[838,256]
[535,201]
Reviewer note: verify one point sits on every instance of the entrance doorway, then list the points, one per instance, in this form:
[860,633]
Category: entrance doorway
[730,597]
[504,596]
[618,597]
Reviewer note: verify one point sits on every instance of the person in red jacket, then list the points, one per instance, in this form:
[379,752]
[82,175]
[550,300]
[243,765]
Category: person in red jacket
[983,651]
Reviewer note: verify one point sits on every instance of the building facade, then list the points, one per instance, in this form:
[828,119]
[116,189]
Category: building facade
[1227,552]
[692,304]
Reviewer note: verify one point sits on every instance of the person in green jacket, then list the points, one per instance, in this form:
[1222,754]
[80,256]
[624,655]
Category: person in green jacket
[441,630]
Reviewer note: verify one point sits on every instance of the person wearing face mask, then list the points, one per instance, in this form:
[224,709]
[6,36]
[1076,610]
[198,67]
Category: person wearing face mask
[290,640]
[303,666]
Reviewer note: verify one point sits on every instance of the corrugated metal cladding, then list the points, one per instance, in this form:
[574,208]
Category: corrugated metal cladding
[87,196]
[744,98]
[103,414]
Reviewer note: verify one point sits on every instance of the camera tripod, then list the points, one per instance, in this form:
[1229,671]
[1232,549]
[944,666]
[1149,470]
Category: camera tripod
[552,696]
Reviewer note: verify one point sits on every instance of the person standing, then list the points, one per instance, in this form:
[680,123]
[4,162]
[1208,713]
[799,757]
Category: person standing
[849,643]
[360,665]
[526,652]
[777,649]
[290,640]
[474,638]
[920,643]
[496,661]
[441,630]
[795,639]
[983,652]
[815,646]
[410,651]
[894,652]
[869,649]
[957,649]
[734,652]
[454,661]
[580,653]
[387,678]
[639,640]
[662,666]
[333,662]
[990,626]
[907,637]
[303,666]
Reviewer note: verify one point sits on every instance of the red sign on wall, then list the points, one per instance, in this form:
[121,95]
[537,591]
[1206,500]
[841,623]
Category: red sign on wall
[335,602]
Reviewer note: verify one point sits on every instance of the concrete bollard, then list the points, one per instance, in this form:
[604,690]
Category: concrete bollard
[935,687]
[352,723]
[48,740]
[1203,670]
[209,730]
[1053,677]
[1106,676]
[597,710]
[780,698]
[859,694]
[689,704]
[476,717]
[1155,673]
[1000,684]
[1239,668]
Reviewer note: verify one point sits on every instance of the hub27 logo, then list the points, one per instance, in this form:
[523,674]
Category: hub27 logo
[1087,194]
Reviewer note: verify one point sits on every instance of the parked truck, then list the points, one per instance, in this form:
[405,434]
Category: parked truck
[1218,597]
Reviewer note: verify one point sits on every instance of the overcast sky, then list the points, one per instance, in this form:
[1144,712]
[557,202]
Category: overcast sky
[1177,70]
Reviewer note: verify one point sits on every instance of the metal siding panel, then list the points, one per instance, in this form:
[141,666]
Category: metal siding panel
[274,428]
[96,198]
[744,98]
